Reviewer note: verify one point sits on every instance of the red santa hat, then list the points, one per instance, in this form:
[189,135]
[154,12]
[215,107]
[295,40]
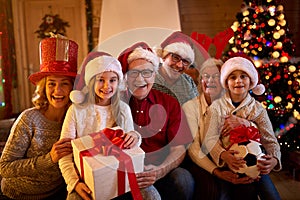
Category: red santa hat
[95,63]
[140,50]
[177,43]
[58,56]
[243,64]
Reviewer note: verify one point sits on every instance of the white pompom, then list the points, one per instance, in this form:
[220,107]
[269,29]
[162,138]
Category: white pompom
[259,89]
[77,96]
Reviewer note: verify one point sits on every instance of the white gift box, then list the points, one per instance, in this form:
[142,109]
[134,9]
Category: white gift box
[100,172]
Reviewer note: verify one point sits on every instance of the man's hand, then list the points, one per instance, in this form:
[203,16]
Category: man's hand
[148,177]
[60,149]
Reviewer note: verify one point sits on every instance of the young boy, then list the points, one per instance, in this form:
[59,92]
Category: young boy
[238,77]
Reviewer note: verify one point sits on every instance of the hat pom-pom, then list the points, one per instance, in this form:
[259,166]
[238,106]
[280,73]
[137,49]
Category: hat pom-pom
[259,89]
[77,96]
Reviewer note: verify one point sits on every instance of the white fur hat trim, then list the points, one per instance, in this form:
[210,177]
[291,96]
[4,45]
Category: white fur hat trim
[182,49]
[243,64]
[102,64]
[140,53]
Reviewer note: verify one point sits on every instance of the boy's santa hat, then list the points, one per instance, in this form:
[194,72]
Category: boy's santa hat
[95,63]
[179,44]
[140,50]
[243,64]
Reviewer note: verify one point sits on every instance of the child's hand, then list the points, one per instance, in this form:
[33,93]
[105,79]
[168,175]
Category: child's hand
[83,191]
[232,161]
[130,139]
[267,164]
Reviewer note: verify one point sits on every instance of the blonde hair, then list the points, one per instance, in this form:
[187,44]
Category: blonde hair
[39,98]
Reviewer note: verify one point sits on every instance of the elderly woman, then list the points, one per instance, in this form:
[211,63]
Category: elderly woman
[206,174]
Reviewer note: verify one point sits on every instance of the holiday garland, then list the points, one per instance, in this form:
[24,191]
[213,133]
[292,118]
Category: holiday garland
[52,24]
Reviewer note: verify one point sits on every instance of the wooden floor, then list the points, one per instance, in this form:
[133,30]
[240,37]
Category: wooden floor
[287,186]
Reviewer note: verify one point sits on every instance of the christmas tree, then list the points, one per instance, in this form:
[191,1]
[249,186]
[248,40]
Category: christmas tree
[261,32]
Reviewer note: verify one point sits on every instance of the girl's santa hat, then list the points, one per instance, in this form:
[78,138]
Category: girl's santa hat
[95,63]
[243,64]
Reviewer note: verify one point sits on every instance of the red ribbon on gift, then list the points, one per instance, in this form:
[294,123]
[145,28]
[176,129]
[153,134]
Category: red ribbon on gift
[243,133]
[110,142]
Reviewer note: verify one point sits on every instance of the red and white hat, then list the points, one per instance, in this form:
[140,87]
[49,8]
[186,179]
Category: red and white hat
[58,56]
[140,50]
[95,63]
[177,43]
[243,64]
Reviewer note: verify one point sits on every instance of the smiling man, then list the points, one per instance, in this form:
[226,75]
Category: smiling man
[177,55]
[162,124]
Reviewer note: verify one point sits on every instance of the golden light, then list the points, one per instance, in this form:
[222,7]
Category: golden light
[281,17]
[278,45]
[296,114]
[269,1]
[284,59]
[292,68]
[234,49]
[282,23]
[253,52]
[277,28]
[235,26]
[277,99]
[271,22]
[290,82]
[276,35]
[281,32]
[257,63]
[267,77]
[280,8]
[259,49]
[246,44]
[231,41]
[245,13]
[275,54]
[264,104]
[289,105]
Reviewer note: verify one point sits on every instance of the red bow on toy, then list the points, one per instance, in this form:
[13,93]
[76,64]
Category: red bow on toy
[243,134]
[110,142]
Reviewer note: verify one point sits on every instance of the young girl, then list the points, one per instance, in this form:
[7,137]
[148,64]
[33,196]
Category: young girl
[95,107]
[238,76]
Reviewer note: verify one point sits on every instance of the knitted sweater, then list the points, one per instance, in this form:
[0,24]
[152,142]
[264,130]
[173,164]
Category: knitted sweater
[184,88]
[81,121]
[26,166]
[196,112]
[249,109]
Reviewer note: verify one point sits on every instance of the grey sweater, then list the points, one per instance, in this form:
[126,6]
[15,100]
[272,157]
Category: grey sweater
[25,165]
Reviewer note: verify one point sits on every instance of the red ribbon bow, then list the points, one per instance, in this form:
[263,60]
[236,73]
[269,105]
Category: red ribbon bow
[243,134]
[110,142]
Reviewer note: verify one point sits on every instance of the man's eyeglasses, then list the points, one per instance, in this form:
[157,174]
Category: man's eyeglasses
[208,76]
[147,73]
[177,58]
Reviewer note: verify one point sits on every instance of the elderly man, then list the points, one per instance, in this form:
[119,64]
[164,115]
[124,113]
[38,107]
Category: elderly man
[162,124]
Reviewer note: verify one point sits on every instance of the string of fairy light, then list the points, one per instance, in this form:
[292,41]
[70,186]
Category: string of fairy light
[262,33]
[2,99]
